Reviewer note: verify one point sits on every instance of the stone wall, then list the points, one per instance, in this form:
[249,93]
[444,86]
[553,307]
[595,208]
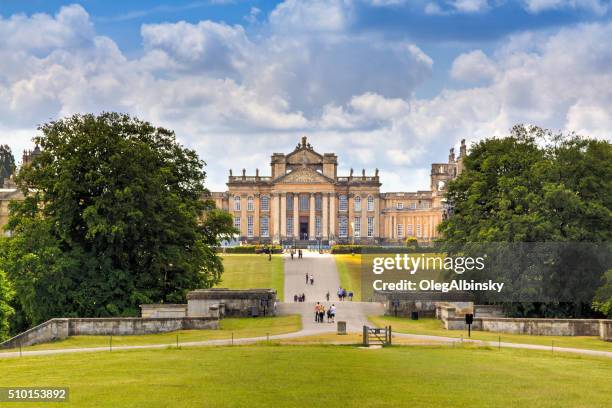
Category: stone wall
[537,327]
[163,310]
[488,311]
[605,330]
[402,304]
[57,329]
[231,303]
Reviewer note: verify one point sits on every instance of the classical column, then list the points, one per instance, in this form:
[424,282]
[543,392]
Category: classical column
[377,217]
[324,217]
[333,216]
[283,215]
[311,218]
[296,216]
[256,215]
[350,214]
[274,218]
[243,215]
[364,216]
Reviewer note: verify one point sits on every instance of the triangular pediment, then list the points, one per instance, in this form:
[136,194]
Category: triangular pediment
[304,155]
[303,175]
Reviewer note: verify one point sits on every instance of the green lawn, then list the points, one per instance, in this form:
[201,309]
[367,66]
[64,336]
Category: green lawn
[239,327]
[318,376]
[349,271]
[248,271]
[434,327]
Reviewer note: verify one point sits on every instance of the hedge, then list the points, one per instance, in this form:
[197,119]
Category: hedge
[252,249]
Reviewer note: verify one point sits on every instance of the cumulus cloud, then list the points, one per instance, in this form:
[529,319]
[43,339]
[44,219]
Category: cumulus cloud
[596,6]
[236,96]
[473,66]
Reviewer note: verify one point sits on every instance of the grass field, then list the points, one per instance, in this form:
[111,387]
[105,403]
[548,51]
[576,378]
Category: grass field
[349,271]
[318,376]
[239,327]
[247,271]
[434,327]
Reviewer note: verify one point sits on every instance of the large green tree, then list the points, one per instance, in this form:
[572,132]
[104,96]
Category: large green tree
[114,217]
[7,163]
[6,311]
[536,186]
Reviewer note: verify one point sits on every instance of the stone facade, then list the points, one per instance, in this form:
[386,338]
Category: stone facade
[427,304]
[304,199]
[163,310]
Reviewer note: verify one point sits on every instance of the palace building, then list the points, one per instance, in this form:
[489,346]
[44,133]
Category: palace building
[305,200]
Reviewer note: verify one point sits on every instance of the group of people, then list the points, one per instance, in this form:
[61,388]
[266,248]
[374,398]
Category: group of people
[320,313]
[343,294]
[299,254]
[299,298]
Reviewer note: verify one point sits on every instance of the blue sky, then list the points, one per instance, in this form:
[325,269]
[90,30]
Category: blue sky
[384,83]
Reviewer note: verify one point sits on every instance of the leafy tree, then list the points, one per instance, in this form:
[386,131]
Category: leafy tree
[412,243]
[114,216]
[6,311]
[603,296]
[536,186]
[7,163]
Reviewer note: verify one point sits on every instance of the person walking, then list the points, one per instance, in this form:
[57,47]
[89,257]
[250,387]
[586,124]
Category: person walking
[321,314]
[327,296]
[311,279]
[332,312]
[317,311]
[307,279]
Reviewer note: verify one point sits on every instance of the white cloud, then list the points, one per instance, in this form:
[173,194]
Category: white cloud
[473,67]
[237,96]
[596,6]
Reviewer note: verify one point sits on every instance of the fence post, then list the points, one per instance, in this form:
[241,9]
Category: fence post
[20,352]
[552,346]
[110,343]
[390,335]
[177,344]
[365,336]
[232,338]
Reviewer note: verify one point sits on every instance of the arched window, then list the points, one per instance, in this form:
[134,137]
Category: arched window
[236,203]
[343,203]
[265,203]
[370,203]
[357,202]
[250,205]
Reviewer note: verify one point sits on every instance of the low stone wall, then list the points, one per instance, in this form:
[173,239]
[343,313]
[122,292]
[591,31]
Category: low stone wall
[488,311]
[605,330]
[402,304]
[232,303]
[163,310]
[537,327]
[57,329]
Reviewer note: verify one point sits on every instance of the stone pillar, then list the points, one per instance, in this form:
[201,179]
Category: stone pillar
[296,216]
[350,197]
[311,218]
[243,215]
[283,216]
[274,218]
[324,217]
[364,216]
[333,215]
[256,216]
[377,217]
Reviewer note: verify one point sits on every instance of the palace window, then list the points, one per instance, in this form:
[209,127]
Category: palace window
[249,226]
[264,227]
[343,227]
[343,203]
[357,203]
[250,205]
[318,226]
[370,203]
[370,227]
[237,223]
[400,230]
[289,226]
[357,227]
[304,203]
[236,203]
[413,205]
[418,230]
[264,202]
[318,202]
[289,202]
[409,230]
[399,206]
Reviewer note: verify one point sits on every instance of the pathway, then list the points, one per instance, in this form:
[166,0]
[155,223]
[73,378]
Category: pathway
[323,268]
